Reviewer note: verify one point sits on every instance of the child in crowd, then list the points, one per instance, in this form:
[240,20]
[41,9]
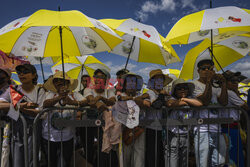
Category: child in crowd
[181,96]
[155,102]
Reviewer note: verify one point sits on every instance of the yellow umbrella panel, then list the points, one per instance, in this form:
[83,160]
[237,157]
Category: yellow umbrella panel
[225,53]
[225,22]
[39,35]
[75,67]
[142,42]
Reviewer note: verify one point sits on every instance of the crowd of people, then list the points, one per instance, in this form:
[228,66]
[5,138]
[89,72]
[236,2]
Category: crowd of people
[122,108]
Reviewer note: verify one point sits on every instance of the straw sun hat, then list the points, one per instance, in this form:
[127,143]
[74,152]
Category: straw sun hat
[156,72]
[59,74]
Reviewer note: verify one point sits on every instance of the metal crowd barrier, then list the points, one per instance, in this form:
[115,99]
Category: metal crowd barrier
[165,122]
[2,125]
[25,138]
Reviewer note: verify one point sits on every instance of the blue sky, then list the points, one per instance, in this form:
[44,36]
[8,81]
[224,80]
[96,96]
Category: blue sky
[162,14]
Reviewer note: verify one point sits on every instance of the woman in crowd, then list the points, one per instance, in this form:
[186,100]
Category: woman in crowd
[60,94]
[157,99]
[181,96]
[127,111]
[29,102]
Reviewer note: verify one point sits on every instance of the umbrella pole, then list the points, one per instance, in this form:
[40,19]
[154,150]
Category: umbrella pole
[81,77]
[211,36]
[212,55]
[41,64]
[61,43]
[60,31]
[130,52]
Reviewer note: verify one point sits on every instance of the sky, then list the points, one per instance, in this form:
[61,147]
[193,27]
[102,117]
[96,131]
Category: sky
[162,14]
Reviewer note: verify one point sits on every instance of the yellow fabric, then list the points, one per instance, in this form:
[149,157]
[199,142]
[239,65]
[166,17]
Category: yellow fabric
[113,23]
[174,72]
[248,11]
[149,52]
[178,34]
[54,19]
[188,64]
[53,45]
[229,56]
[58,18]
[74,73]
[11,37]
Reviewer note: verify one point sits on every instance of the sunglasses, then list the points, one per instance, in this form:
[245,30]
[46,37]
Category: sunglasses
[210,68]
[24,71]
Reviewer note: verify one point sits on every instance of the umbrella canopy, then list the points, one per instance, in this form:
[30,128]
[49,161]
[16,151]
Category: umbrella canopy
[225,22]
[142,42]
[243,88]
[225,52]
[54,33]
[173,72]
[75,67]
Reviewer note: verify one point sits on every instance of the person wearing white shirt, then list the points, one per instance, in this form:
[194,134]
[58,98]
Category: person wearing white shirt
[155,102]
[206,136]
[99,98]
[60,94]
[181,96]
[29,106]
[234,99]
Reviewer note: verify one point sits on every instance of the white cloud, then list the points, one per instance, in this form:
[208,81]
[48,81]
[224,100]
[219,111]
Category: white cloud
[154,7]
[243,67]
[144,72]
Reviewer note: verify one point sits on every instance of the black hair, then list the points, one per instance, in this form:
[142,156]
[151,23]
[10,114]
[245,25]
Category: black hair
[205,61]
[122,72]
[85,75]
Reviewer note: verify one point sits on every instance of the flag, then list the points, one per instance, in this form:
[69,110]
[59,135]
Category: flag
[15,95]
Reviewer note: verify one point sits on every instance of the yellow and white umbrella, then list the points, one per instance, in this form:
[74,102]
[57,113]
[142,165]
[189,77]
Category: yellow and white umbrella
[172,72]
[225,53]
[142,42]
[43,33]
[243,88]
[225,22]
[75,67]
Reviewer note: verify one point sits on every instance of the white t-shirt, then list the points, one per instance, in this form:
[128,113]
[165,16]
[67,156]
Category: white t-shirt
[30,96]
[233,100]
[67,132]
[153,114]
[108,93]
[199,89]
[180,115]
